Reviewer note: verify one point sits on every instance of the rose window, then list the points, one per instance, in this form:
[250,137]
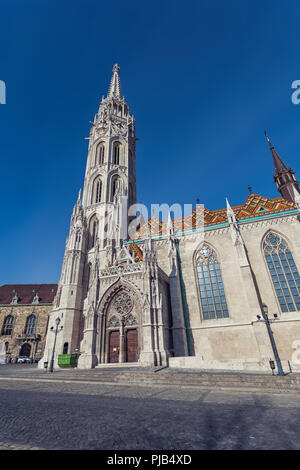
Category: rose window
[123,304]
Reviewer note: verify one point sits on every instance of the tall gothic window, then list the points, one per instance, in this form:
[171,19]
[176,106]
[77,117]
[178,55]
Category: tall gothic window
[30,325]
[284,272]
[115,186]
[212,295]
[97,190]
[116,153]
[8,325]
[100,154]
[93,232]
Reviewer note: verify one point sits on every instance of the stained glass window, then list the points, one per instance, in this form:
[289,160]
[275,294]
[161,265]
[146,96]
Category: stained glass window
[283,271]
[212,295]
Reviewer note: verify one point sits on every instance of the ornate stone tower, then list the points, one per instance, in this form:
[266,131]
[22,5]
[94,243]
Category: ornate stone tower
[111,170]
[101,295]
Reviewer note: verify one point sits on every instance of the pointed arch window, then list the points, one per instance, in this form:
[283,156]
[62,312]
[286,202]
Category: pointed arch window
[8,325]
[116,153]
[115,187]
[100,154]
[212,295]
[30,325]
[93,232]
[283,271]
[97,191]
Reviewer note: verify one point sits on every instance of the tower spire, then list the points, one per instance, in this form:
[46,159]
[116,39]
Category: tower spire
[115,85]
[284,177]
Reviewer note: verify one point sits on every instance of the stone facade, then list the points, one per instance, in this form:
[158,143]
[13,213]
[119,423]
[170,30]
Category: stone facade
[188,292]
[24,314]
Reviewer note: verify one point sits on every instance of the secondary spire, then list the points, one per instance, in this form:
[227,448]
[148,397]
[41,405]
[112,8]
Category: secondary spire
[284,177]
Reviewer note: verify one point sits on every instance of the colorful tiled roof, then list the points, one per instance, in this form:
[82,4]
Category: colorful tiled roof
[136,252]
[255,206]
[27,292]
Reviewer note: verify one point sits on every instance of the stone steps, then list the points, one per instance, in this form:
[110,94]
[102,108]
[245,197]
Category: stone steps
[202,379]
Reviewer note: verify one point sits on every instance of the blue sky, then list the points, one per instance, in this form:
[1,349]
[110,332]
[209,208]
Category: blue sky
[202,78]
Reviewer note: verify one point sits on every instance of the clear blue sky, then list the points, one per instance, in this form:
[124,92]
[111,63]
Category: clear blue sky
[202,78]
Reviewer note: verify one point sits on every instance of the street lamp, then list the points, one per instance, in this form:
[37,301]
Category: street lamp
[57,322]
[271,336]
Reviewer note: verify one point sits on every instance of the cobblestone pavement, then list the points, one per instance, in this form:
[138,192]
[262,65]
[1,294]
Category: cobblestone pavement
[74,415]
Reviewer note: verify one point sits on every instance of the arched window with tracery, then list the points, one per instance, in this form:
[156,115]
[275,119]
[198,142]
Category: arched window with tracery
[116,153]
[30,325]
[8,325]
[97,190]
[100,154]
[211,289]
[283,271]
[94,224]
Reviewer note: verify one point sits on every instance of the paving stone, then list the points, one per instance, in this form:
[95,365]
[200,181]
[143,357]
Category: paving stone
[57,415]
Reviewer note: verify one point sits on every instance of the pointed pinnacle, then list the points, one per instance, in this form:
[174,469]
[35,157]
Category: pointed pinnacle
[268,139]
[115,86]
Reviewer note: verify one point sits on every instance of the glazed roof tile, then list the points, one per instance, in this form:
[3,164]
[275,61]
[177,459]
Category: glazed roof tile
[254,206]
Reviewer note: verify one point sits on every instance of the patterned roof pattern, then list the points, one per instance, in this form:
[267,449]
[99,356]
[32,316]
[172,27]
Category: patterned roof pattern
[27,292]
[255,206]
[136,252]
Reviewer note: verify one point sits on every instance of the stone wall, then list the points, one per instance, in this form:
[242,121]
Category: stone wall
[17,337]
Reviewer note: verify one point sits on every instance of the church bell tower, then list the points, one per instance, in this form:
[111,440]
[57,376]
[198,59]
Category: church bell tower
[110,179]
[99,223]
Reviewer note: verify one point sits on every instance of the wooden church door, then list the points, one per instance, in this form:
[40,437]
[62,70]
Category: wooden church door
[114,346]
[131,345]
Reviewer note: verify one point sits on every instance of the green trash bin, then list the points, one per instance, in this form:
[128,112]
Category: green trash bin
[67,360]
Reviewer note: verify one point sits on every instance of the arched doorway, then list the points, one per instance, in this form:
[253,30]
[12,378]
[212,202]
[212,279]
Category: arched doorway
[25,350]
[121,306]
[122,338]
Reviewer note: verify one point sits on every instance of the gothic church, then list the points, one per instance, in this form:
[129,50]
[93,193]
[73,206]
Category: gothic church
[188,292]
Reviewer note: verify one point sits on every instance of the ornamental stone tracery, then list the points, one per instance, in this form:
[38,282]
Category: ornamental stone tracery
[123,304]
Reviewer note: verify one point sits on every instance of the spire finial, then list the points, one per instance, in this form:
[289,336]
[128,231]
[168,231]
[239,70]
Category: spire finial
[267,137]
[115,86]
[116,68]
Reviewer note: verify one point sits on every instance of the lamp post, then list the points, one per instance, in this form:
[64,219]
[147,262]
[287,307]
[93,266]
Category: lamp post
[271,336]
[57,322]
